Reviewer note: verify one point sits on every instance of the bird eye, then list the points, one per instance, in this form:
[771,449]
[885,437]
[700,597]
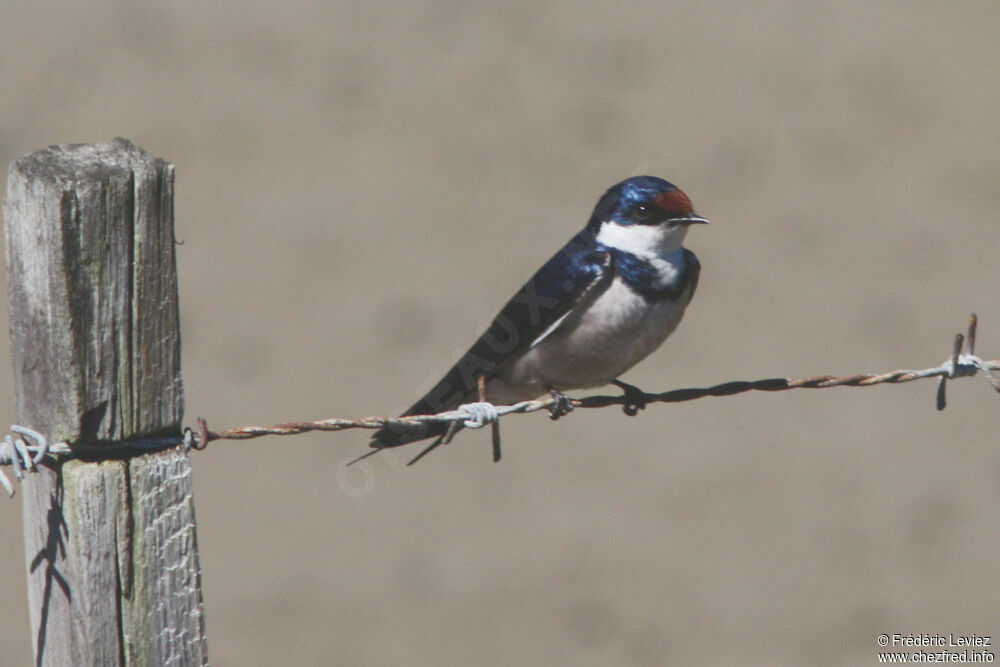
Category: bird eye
[643,212]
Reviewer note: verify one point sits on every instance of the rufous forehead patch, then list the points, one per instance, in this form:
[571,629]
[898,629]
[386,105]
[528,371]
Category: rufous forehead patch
[674,203]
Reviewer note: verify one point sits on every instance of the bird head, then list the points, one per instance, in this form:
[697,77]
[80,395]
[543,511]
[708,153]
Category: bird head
[643,215]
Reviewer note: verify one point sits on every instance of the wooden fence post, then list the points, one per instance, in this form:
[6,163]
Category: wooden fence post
[113,574]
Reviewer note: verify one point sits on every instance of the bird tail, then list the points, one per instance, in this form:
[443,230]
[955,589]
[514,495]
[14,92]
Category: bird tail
[404,434]
[449,393]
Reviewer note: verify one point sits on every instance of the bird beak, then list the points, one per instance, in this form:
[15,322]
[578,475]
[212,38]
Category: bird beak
[690,220]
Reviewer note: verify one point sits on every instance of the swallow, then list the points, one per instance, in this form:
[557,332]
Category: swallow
[605,301]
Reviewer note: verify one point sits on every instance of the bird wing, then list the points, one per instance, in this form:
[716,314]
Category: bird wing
[578,268]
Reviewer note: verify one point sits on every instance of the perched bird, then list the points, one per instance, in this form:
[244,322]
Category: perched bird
[603,303]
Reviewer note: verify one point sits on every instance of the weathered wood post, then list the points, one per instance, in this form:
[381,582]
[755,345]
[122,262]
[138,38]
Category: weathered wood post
[113,574]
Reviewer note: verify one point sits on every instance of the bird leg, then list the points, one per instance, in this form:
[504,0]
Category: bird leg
[562,405]
[635,398]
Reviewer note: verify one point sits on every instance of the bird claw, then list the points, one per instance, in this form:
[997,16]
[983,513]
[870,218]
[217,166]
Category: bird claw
[562,405]
[635,398]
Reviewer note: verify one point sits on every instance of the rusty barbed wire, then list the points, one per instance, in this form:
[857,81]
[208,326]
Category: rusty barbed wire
[960,364]
[24,456]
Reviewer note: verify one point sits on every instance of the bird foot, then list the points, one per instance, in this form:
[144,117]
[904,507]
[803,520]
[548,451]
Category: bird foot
[562,405]
[635,398]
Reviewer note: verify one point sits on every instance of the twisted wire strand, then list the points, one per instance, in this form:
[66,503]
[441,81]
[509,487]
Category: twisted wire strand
[673,396]
[25,454]
[960,364]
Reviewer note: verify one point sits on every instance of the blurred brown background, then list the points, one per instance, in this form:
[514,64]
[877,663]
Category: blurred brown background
[360,186]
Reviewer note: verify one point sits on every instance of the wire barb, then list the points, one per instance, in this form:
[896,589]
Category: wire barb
[23,456]
[973,321]
[480,414]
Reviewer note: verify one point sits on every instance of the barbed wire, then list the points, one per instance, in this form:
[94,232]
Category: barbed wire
[25,456]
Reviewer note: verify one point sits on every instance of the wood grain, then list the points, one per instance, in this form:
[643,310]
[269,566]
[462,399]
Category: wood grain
[113,572]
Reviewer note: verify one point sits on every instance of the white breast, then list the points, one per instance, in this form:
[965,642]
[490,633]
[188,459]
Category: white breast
[596,342]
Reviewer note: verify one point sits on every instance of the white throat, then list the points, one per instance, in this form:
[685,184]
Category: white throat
[647,241]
